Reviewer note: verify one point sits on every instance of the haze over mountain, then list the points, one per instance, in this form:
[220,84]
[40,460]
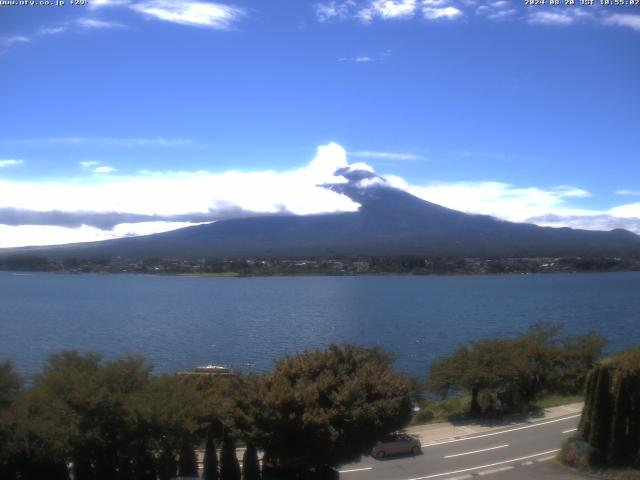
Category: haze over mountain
[389,221]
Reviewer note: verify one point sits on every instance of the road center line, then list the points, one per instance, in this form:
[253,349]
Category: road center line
[570,430]
[538,424]
[355,470]
[486,466]
[476,451]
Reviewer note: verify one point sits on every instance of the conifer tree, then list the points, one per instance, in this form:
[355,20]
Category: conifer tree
[585,420]
[210,459]
[167,465]
[188,463]
[229,466]
[619,423]
[600,419]
[250,464]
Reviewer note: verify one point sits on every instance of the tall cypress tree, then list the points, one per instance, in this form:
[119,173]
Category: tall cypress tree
[229,466]
[611,416]
[144,467]
[632,449]
[250,463]
[210,459]
[619,423]
[600,419]
[167,465]
[82,469]
[188,462]
[584,427]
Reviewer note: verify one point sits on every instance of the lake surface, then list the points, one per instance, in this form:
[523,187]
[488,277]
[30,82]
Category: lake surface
[247,323]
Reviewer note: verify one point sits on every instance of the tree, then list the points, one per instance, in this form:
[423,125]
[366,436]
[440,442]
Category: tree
[600,419]
[320,409]
[84,411]
[611,415]
[10,383]
[229,466]
[250,463]
[167,465]
[519,369]
[210,471]
[188,462]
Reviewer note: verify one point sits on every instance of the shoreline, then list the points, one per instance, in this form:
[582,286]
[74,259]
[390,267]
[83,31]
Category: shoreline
[309,274]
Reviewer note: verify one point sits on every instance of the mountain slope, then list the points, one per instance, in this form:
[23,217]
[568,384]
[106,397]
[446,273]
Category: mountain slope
[389,222]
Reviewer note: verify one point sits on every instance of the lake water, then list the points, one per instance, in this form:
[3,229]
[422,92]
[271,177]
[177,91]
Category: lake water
[246,323]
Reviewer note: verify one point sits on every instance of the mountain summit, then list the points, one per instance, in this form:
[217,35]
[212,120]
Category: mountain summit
[389,221]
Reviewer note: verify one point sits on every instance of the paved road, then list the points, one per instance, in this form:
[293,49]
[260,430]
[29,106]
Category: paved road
[493,452]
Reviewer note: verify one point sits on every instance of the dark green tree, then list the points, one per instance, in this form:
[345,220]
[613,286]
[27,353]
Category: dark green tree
[250,463]
[600,419]
[10,383]
[323,408]
[611,413]
[167,465]
[619,424]
[210,471]
[229,466]
[519,369]
[585,419]
[188,462]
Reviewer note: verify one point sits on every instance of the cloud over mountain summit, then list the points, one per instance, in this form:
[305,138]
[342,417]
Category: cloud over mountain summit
[117,205]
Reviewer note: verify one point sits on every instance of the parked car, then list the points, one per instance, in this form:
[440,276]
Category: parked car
[397,444]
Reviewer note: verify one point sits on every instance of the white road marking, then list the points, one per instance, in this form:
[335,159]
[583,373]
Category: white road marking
[496,470]
[545,459]
[355,470]
[570,430]
[486,466]
[538,424]
[530,462]
[476,451]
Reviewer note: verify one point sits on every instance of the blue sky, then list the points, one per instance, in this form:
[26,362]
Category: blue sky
[165,108]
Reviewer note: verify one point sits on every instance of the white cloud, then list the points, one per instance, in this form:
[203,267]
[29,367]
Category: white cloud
[176,193]
[362,59]
[88,163]
[624,20]
[169,193]
[17,236]
[627,192]
[93,24]
[388,9]
[52,30]
[550,18]
[496,10]
[496,198]
[588,222]
[10,163]
[493,10]
[102,142]
[13,40]
[388,155]
[95,4]
[104,169]
[545,207]
[194,13]
[332,10]
[365,10]
[434,13]
[379,58]
[629,210]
